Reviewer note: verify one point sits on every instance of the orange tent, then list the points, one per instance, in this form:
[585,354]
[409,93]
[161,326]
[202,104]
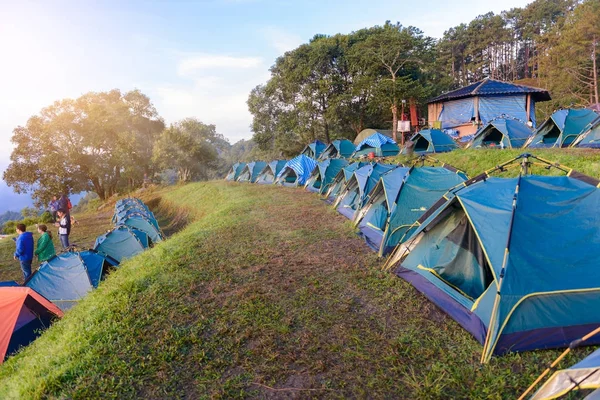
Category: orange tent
[23,314]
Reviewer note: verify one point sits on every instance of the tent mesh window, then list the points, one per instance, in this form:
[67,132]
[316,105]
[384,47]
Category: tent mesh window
[421,144]
[552,135]
[457,256]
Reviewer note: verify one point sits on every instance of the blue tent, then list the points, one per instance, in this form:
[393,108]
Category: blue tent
[562,128]
[502,133]
[381,145]
[235,171]
[145,225]
[322,176]
[314,149]
[430,141]
[513,261]
[8,284]
[251,171]
[338,149]
[119,243]
[399,199]
[296,171]
[338,183]
[269,173]
[67,277]
[363,180]
[590,138]
[585,375]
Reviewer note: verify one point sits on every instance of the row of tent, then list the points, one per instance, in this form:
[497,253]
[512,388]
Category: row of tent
[565,128]
[66,278]
[512,260]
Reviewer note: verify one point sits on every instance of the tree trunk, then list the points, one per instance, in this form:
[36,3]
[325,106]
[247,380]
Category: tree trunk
[595,69]
[394,109]
[98,189]
[326,125]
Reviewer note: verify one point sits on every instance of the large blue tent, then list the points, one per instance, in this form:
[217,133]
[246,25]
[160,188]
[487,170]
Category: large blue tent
[119,243]
[296,171]
[355,192]
[502,133]
[269,173]
[399,199]
[430,141]
[251,171]
[235,171]
[338,183]
[314,149]
[340,148]
[322,176]
[380,145]
[589,138]
[562,128]
[487,255]
[67,277]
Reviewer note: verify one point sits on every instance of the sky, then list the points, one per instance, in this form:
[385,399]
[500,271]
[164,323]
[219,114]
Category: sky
[192,58]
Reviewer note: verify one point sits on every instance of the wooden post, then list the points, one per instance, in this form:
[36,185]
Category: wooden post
[528,107]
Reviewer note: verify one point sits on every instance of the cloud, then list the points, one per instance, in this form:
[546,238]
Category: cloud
[191,64]
[281,40]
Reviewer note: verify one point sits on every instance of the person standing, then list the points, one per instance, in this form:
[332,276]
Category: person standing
[54,206]
[64,203]
[64,227]
[24,250]
[45,247]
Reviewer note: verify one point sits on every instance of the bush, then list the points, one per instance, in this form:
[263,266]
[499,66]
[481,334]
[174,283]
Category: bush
[46,218]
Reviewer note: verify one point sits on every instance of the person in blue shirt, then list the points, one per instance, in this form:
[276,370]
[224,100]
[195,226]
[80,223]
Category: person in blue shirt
[54,206]
[24,250]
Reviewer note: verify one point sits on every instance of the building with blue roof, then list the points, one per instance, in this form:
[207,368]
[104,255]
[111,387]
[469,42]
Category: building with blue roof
[466,109]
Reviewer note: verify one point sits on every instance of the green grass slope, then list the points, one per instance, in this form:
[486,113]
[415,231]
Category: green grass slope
[266,293]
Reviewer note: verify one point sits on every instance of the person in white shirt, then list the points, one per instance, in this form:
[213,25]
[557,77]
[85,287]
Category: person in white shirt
[64,227]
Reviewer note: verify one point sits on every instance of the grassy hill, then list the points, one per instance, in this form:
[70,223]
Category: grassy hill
[265,292]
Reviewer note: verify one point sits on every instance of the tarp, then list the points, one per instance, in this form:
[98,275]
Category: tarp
[381,145]
[251,171]
[583,375]
[495,106]
[322,176]
[431,141]
[23,315]
[354,195]
[119,243]
[502,133]
[296,171]
[269,173]
[68,277]
[338,149]
[314,149]
[457,112]
[235,171]
[563,128]
[547,298]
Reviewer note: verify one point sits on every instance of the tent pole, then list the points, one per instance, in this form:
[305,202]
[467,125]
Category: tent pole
[574,344]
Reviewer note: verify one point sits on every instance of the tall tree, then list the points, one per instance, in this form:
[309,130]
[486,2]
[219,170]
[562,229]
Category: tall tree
[83,144]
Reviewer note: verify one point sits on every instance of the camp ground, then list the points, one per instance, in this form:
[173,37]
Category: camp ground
[251,171]
[314,149]
[340,148]
[562,128]
[378,144]
[324,174]
[487,255]
[24,314]
[296,171]
[338,183]
[119,243]
[68,277]
[269,173]
[399,199]
[590,138]
[363,180]
[502,133]
[430,141]
[235,171]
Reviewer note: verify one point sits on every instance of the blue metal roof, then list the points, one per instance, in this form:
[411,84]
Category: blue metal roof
[492,87]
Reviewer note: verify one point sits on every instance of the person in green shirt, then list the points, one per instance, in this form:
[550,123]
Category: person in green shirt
[45,247]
